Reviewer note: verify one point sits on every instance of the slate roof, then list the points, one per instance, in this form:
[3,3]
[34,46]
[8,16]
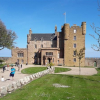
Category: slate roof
[45,37]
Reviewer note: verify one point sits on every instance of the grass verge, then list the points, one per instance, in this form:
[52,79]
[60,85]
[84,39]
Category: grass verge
[32,70]
[81,88]
[58,70]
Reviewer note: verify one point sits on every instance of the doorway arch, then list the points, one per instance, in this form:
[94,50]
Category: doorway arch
[95,64]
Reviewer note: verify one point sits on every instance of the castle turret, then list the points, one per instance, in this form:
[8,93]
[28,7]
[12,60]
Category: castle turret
[83,28]
[30,31]
[66,31]
[29,36]
[55,30]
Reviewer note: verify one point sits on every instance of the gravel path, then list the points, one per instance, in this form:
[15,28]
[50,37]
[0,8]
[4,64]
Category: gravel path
[75,71]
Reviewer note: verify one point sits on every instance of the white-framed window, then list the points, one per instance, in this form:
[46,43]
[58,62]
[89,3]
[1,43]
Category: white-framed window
[20,54]
[74,37]
[74,59]
[74,30]
[74,53]
[35,46]
[74,46]
[58,61]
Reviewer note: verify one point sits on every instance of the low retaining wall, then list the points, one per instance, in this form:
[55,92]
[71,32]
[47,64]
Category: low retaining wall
[16,85]
[92,62]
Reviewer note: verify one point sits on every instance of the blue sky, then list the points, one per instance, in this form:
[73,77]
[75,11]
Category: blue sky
[42,16]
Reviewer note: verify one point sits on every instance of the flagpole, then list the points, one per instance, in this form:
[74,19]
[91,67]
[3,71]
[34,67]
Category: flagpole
[65,17]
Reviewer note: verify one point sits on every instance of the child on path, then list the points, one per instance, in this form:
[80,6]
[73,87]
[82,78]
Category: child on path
[2,79]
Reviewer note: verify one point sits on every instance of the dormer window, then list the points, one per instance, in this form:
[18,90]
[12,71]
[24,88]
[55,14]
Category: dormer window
[42,39]
[35,39]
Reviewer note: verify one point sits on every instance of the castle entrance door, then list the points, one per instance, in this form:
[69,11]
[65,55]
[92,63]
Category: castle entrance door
[49,60]
[95,64]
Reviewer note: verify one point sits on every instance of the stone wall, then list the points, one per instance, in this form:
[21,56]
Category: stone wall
[21,82]
[92,62]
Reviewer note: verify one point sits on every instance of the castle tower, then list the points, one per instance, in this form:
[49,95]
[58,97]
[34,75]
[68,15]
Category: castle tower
[66,37]
[83,28]
[74,38]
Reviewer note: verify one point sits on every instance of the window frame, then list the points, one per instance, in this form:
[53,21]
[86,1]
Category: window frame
[74,59]
[74,38]
[74,45]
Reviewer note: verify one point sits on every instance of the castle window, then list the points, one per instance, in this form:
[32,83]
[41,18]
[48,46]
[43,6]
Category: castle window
[20,55]
[74,45]
[49,53]
[42,39]
[74,30]
[74,59]
[74,37]
[74,53]
[35,46]
[35,39]
[41,45]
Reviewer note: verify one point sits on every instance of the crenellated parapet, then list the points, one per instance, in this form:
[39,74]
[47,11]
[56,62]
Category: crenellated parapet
[83,28]
[66,31]
[29,36]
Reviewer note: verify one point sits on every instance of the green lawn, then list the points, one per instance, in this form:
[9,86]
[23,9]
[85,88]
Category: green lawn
[58,70]
[81,88]
[32,70]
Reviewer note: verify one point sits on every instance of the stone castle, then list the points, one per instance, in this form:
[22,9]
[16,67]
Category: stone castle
[58,47]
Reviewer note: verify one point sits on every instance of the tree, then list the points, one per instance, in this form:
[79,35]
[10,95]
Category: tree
[1,61]
[80,55]
[7,37]
[97,31]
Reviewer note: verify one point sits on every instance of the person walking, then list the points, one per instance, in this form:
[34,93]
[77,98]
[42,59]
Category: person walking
[21,65]
[12,72]
[3,68]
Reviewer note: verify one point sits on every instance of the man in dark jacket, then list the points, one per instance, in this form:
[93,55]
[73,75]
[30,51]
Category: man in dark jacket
[3,68]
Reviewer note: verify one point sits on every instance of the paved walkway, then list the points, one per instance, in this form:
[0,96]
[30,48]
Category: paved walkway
[19,75]
[84,71]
